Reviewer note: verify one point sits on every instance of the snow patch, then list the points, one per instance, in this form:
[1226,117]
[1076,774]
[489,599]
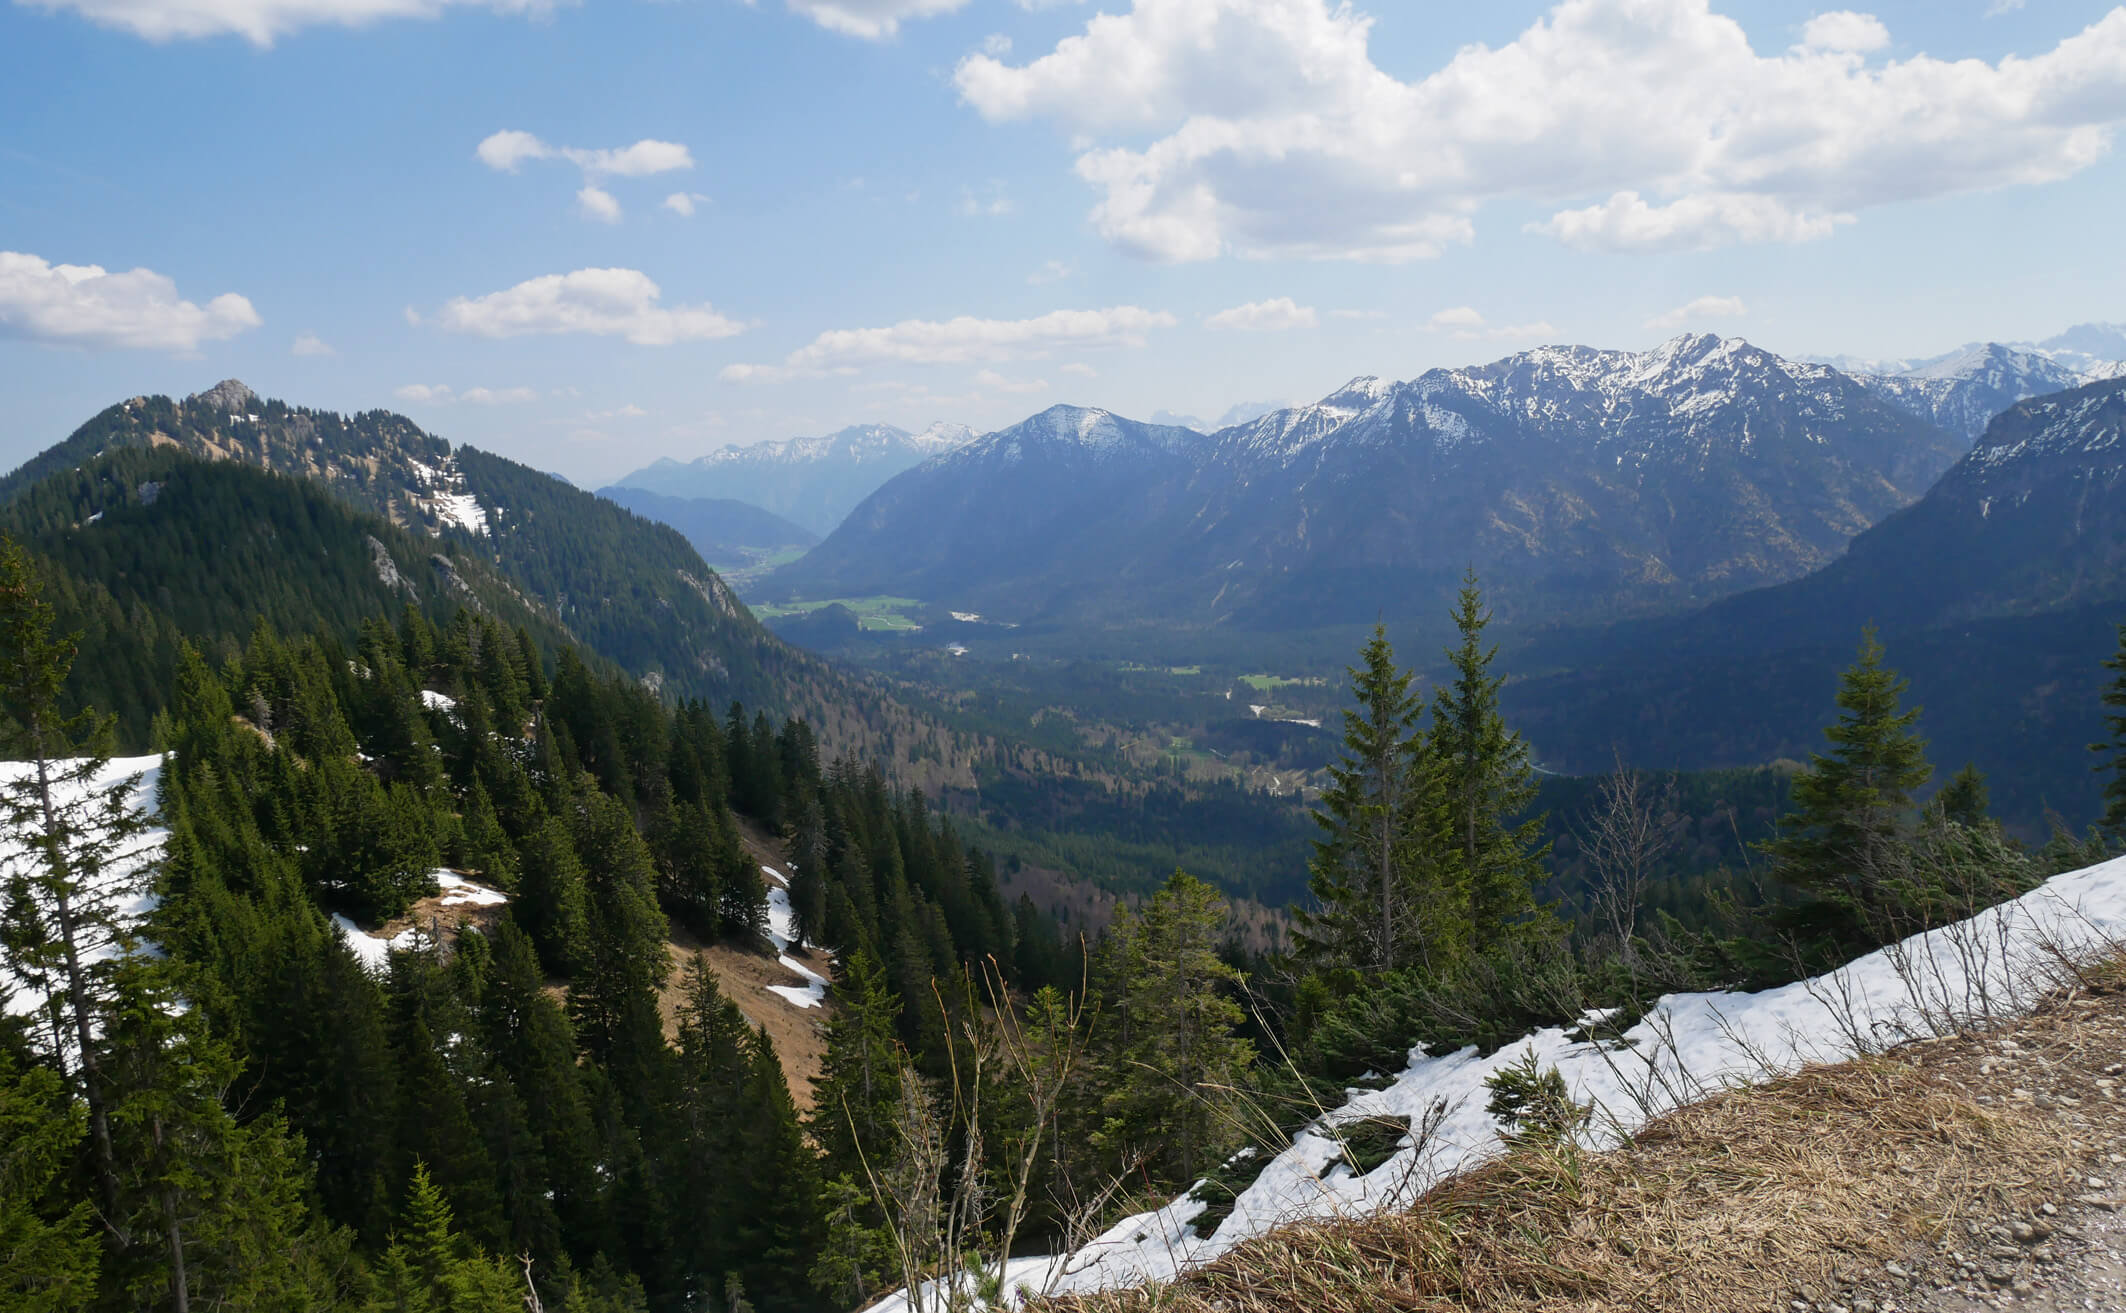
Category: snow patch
[1688,1047]
[123,889]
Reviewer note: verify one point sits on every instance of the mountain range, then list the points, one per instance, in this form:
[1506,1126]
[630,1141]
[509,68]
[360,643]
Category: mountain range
[1998,593]
[1580,483]
[811,481]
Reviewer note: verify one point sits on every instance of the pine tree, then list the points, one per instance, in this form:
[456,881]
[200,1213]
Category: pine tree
[1852,805]
[1487,781]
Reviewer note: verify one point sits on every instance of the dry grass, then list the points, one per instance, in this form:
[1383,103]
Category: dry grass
[1744,1201]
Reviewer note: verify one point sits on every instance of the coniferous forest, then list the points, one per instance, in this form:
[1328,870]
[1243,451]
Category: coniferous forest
[222,1102]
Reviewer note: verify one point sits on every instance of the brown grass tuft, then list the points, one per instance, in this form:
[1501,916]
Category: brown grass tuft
[1743,1201]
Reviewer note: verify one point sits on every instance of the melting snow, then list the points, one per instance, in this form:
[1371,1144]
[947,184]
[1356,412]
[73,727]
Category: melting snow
[1688,1047]
[124,887]
[782,932]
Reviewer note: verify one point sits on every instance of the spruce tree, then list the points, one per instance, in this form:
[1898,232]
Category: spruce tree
[1367,872]
[859,1079]
[1488,783]
[1173,1055]
[46,1239]
[69,899]
[1852,805]
[2114,747]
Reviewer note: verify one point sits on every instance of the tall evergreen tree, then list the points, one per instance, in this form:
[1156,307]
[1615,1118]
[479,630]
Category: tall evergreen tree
[2114,747]
[1368,872]
[70,899]
[1487,780]
[1853,805]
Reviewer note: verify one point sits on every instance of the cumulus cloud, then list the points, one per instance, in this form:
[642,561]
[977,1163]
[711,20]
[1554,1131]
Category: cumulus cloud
[89,306]
[310,344]
[873,20]
[261,22]
[620,303]
[1081,369]
[682,203]
[598,203]
[1273,316]
[1704,308]
[1264,128]
[991,201]
[508,151]
[965,340]
[1054,271]
[442,394]
[1844,30]
[1467,324]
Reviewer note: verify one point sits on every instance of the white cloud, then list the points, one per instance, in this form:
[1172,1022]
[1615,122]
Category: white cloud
[310,344]
[965,340]
[442,394]
[1705,307]
[507,151]
[996,44]
[1054,271]
[990,201]
[628,411]
[874,20]
[683,202]
[1264,128]
[87,305]
[1081,369]
[1467,324]
[598,203]
[261,22]
[1358,314]
[601,302]
[1272,316]
[1626,222]
[995,382]
[1843,30]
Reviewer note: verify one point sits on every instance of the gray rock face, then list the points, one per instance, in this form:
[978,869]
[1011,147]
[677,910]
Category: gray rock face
[229,396]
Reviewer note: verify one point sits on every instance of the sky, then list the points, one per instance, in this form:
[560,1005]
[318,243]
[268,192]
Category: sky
[586,235]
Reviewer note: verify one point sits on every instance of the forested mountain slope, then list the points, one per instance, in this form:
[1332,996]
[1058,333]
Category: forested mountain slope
[1579,483]
[722,530]
[1998,593]
[626,588]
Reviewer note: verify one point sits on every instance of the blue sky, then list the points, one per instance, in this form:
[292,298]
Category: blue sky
[912,210]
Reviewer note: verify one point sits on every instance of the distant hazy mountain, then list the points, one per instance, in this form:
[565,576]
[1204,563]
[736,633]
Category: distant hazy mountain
[811,481]
[1579,482]
[1963,391]
[2086,348]
[1070,484]
[725,532]
[1239,414]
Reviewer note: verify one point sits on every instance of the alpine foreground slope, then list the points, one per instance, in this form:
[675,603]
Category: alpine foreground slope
[812,481]
[1579,483]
